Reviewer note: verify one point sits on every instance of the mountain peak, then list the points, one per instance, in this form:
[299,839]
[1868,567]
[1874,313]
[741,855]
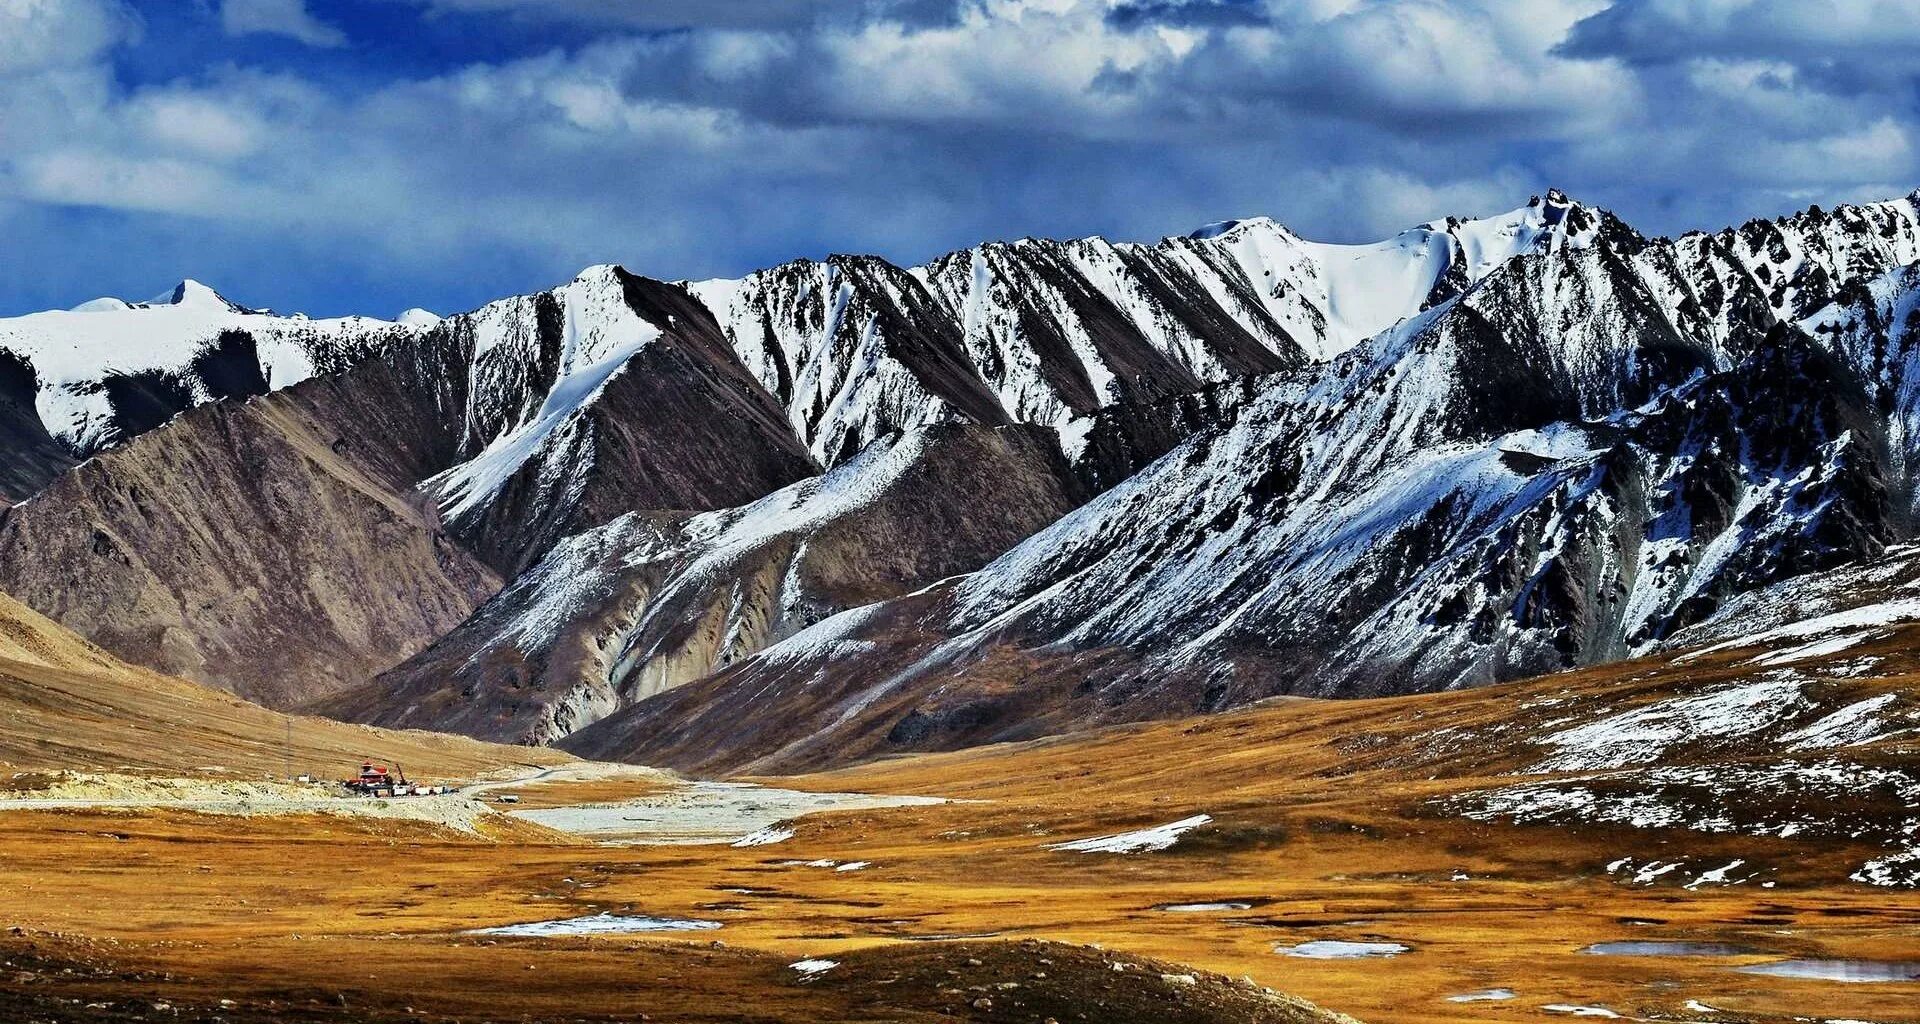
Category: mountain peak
[192,294]
[1224,227]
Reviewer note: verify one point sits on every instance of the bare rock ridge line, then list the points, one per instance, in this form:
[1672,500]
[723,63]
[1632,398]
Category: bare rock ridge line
[1064,482]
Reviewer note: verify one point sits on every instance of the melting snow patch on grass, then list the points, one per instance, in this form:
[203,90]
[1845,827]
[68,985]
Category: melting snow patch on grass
[1581,1011]
[813,968]
[1856,723]
[1898,870]
[1782,800]
[1814,649]
[1885,613]
[1157,838]
[1717,876]
[1642,735]
[765,837]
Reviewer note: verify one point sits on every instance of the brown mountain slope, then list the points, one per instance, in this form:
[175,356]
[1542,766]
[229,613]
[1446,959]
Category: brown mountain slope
[655,600]
[262,547]
[66,705]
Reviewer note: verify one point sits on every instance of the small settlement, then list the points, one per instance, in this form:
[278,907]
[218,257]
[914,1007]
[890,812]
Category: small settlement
[375,780]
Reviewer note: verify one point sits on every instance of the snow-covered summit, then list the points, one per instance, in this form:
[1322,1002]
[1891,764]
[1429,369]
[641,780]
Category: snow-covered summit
[192,293]
[77,355]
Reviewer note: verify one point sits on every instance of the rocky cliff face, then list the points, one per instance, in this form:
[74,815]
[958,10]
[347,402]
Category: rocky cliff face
[609,394]
[651,601]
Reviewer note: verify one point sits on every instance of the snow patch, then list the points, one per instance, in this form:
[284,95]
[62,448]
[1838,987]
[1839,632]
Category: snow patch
[1157,838]
[1643,735]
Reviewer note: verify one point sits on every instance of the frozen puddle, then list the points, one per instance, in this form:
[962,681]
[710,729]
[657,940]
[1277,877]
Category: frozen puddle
[1485,995]
[599,924]
[707,813]
[1159,837]
[1839,970]
[1662,948]
[1201,908]
[1332,949]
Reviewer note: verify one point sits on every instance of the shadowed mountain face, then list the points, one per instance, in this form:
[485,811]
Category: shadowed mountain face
[262,547]
[838,509]
[653,600]
[610,394]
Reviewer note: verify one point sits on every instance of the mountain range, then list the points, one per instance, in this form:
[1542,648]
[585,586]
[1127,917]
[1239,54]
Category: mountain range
[835,510]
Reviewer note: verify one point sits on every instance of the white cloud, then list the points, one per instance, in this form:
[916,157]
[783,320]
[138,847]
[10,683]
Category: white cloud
[803,127]
[45,35]
[288,18]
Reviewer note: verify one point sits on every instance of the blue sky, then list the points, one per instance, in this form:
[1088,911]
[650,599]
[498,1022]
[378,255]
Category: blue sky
[366,156]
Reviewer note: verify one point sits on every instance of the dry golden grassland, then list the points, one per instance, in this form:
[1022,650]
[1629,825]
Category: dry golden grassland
[1329,821]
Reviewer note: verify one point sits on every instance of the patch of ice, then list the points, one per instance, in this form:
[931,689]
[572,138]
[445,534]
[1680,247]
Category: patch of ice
[854,865]
[1158,838]
[1485,995]
[599,924]
[1849,971]
[705,813]
[1334,949]
[1581,1011]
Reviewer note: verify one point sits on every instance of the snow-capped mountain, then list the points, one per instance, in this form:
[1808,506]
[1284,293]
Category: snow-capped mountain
[108,370]
[1049,332]
[289,543]
[1588,449]
[1478,449]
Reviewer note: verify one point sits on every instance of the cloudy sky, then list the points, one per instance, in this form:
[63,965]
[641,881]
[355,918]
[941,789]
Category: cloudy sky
[368,155]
